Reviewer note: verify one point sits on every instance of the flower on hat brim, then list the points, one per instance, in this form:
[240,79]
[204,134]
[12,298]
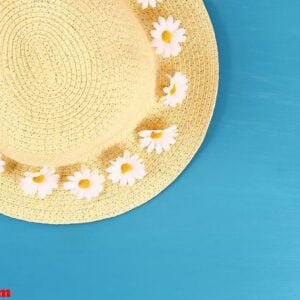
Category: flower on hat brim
[176,92]
[158,140]
[40,183]
[167,36]
[86,184]
[147,3]
[126,169]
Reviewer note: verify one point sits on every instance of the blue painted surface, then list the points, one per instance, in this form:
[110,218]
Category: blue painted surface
[229,228]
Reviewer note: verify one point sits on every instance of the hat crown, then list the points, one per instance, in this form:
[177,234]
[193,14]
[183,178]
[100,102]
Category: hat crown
[74,75]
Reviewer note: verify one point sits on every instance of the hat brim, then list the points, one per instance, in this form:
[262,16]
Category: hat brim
[199,62]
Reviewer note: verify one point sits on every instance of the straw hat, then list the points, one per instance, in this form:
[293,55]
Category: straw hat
[104,103]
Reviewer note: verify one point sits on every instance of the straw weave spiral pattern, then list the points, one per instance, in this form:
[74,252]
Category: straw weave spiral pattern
[70,78]
[79,80]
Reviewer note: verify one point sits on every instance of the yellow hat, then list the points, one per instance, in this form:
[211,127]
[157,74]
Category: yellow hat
[104,103]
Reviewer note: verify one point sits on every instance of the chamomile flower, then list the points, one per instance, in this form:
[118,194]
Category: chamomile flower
[127,169]
[158,140]
[176,92]
[86,184]
[167,36]
[2,164]
[146,3]
[40,183]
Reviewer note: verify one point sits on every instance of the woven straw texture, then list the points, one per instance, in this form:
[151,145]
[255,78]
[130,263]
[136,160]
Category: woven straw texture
[79,80]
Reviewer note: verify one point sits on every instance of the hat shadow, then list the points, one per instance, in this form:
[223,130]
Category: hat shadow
[152,123]
[65,171]
[10,165]
[111,154]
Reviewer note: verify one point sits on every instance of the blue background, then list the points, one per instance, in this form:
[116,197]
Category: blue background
[229,228]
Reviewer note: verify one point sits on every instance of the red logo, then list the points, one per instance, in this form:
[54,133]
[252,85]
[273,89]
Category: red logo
[5,294]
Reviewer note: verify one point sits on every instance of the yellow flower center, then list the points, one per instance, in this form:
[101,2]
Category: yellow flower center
[156,135]
[39,179]
[125,168]
[167,36]
[84,183]
[173,90]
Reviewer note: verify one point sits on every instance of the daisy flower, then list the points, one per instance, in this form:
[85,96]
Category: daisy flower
[176,92]
[2,164]
[86,184]
[146,3]
[41,183]
[127,169]
[158,140]
[167,36]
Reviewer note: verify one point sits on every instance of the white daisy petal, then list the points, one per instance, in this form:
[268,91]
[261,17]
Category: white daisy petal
[110,169]
[146,3]
[156,25]
[131,180]
[161,21]
[126,156]
[176,49]
[144,133]
[160,49]
[123,180]
[166,146]
[167,51]
[69,185]
[172,131]
[176,25]
[2,164]
[170,21]
[171,141]
[134,158]
[158,148]
[80,194]
[140,173]
[42,194]
[145,142]
[114,178]
[151,147]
